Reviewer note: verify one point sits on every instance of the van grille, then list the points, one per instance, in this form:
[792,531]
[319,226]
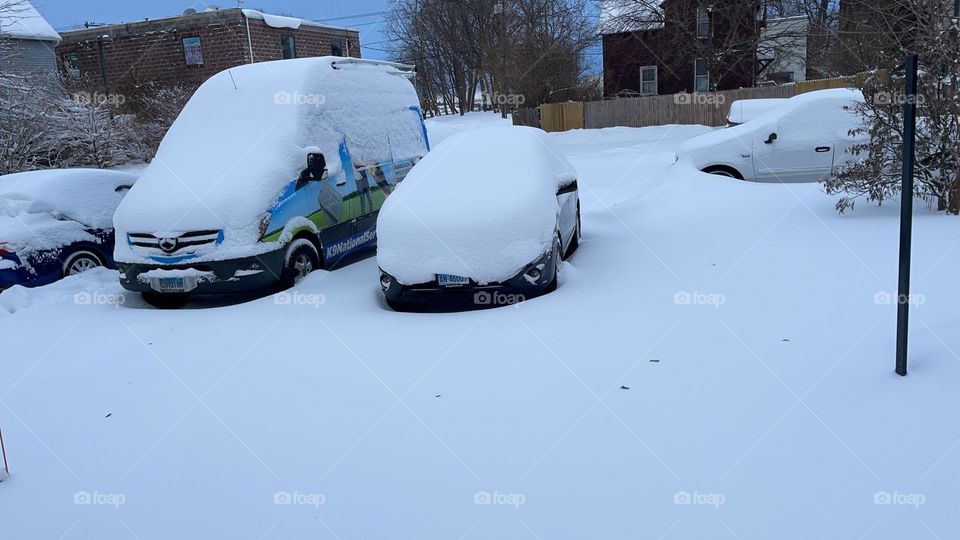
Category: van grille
[173,244]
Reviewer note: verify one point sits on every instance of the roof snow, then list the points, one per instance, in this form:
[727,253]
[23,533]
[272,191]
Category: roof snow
[623,16]
[281,21]
[19,19]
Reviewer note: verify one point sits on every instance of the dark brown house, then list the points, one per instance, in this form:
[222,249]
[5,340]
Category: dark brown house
[670,46]
[191,48]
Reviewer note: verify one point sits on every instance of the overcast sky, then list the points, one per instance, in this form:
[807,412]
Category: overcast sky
[364,15]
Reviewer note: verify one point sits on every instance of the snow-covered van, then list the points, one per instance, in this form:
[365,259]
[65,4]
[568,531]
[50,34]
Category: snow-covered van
[272,170]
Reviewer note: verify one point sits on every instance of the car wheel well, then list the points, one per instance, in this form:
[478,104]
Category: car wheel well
[314,239]
[72,255]
[723,170]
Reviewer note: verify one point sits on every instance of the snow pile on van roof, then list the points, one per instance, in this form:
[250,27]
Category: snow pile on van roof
[482,204]
[89,196]
[246,133]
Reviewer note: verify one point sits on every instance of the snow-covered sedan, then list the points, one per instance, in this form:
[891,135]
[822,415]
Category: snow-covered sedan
[804,139]
[56,223]
[484,220]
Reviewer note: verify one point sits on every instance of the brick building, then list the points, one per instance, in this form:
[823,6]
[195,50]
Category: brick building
[656,47]
[194,46]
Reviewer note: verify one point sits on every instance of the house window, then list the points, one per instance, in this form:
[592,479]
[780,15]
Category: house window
[289,45]
[703,22]
[701,77]
[336,48]
[71,63]
[193,51]
[648,80]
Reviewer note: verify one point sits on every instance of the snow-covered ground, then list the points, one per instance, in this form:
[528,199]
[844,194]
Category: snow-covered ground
[717,363]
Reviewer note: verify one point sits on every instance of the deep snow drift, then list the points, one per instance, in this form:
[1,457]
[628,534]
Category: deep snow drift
[717,363]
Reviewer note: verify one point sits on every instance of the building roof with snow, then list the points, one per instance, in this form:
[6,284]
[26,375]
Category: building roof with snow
[20,20]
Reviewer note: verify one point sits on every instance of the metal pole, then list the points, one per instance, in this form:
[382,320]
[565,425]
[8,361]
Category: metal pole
[3,451]
[906,212]
[103,67]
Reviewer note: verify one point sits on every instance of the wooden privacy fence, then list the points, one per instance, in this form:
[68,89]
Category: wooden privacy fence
[562,116]
[526,117]
[706,108]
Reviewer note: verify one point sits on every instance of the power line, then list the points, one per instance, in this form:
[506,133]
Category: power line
[357,16]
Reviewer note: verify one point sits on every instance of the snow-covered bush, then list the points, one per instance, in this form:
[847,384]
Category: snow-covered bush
[876,175]
[46,122]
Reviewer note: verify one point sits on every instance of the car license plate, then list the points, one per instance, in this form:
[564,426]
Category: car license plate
[447,280]
[175,284]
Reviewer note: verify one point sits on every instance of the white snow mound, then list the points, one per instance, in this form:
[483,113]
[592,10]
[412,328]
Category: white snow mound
[89,196]
[482,204]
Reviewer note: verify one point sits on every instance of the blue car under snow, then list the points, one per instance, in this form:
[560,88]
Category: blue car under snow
[56,223]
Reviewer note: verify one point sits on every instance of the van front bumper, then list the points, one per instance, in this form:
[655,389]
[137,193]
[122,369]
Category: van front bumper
[216,277]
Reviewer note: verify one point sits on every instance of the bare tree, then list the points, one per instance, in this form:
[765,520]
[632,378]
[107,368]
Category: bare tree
[513,51]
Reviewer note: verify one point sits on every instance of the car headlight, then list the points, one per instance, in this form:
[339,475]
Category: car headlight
[385,281]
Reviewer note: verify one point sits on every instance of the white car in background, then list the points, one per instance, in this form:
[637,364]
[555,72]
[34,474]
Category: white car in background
[802,140]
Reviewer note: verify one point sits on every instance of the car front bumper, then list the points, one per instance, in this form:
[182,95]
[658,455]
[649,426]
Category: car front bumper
[431,295]
[219,277]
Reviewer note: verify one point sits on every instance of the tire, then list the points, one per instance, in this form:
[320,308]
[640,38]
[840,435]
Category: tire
[166,300]
[79,262]
[724,171]
[302,259]
[557,259]
[577,234]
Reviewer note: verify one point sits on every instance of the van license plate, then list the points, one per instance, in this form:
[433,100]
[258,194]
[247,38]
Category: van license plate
[447,280]
[177,284]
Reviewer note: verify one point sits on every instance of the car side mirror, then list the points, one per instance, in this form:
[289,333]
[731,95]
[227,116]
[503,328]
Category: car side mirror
[316,165]
[316,169]
[770,139]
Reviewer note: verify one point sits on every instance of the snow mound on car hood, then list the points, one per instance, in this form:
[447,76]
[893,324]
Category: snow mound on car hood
[482,204]
[88,196]
[245,135]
